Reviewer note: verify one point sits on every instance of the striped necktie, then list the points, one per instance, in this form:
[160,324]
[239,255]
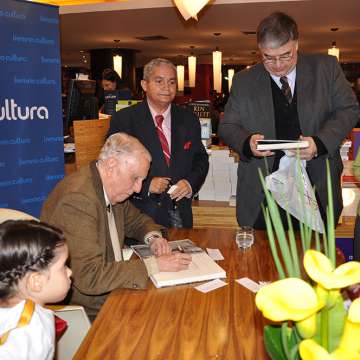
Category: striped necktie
[285,89]
[164,144]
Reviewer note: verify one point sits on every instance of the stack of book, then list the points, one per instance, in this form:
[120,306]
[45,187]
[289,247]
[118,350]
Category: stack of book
[220,183]
[344,150]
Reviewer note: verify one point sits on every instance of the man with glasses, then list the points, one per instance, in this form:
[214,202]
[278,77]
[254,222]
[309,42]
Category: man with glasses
[287,96]
[172,135]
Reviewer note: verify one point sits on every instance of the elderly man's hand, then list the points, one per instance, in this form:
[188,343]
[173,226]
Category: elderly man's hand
[182,189]
[175,261]
[159,246]
[253,143]
[159,184]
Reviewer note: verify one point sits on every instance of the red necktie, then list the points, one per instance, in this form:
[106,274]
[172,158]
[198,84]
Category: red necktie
[164,144]
[285,88]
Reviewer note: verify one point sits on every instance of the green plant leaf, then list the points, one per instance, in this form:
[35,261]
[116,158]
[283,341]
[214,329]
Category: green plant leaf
[279,228]
[272,340]
[274,346]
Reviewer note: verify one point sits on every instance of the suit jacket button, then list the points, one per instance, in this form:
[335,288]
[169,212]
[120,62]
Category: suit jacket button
[135,286]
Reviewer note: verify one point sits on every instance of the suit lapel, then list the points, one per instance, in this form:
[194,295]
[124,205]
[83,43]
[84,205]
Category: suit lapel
[263,95]
[98,186]
[176,134]
[303,95]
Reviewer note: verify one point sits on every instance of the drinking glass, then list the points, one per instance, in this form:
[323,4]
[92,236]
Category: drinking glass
[245,237]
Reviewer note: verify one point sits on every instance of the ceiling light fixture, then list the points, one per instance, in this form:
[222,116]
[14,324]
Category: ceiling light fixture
[117,61]
[231,73]
[217,55]
[334,51]
[192,69]
[180,69]
[190,8]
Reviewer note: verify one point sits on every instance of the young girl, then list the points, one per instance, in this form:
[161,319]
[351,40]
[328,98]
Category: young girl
[33,272]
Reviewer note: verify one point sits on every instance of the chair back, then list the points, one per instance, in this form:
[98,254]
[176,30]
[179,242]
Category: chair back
[78,325]
[11,214]
[89,137]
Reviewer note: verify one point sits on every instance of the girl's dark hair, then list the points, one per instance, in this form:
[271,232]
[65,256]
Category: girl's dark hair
[111,75]
[25,246]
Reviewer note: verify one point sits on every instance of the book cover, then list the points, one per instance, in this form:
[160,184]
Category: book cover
[281,144]
[203,111]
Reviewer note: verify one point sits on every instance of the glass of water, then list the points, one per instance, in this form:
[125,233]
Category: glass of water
[245,237]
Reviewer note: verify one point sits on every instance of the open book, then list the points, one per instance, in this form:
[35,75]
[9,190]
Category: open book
[202,268]
[186,246]
[281,144]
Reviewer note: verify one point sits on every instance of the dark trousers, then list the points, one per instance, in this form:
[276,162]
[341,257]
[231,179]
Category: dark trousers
[357,239]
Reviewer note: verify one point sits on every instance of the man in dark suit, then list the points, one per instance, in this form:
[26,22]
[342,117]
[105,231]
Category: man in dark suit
[287,96]
[173,137]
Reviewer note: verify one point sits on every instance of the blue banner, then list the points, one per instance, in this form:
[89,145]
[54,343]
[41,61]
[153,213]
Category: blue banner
[31,128]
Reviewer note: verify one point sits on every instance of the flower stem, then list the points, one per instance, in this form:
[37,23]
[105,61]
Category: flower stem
[325,328]
[284,339]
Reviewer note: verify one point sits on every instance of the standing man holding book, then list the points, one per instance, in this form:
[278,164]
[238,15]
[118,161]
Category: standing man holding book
[287,96]
[172,135]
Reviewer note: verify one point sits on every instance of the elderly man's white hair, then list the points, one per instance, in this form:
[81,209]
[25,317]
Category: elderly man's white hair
[149,67]
[121,144]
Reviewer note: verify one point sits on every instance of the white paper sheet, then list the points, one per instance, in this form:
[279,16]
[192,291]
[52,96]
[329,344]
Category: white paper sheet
[210,286]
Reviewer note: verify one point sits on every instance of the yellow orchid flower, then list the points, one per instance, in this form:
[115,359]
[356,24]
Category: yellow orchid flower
[311,350]
[349,347]
[288,299]
[320,269]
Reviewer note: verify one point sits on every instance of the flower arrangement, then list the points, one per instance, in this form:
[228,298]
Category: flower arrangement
[307,301]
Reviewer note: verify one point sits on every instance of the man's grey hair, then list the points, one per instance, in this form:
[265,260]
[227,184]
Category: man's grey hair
[276,30]
[149,67]
[120,144]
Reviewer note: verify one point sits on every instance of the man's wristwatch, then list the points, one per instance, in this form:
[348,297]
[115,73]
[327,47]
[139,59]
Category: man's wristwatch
[152,237]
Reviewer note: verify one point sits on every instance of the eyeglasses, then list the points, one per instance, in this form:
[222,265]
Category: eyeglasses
[281,58]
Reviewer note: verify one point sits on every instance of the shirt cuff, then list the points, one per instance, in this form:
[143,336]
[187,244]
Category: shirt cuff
[321,148]
[246,148]
[151,265]
[191,194]
[150,235]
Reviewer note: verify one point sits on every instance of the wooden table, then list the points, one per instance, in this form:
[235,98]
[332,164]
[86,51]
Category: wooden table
[182,323]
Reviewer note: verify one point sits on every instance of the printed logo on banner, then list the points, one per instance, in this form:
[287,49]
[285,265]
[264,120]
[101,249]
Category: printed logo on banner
[14,182]
[45,60]
[42,40]
[54,177]
[11,111]
[35,161]
[49,20]
[34,199]
[12,14]
[52,139]
[29,81]
[13,59]
[17,141]
[30,105]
